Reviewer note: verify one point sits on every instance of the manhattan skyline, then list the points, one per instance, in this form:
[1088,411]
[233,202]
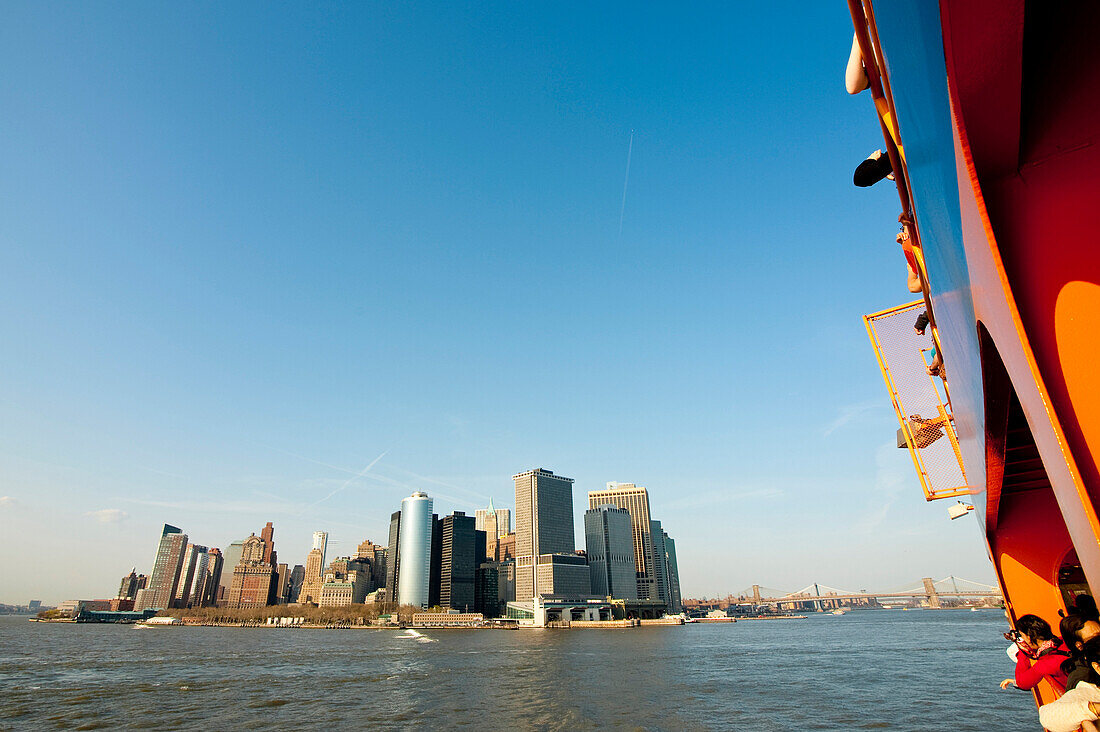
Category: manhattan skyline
[248,255]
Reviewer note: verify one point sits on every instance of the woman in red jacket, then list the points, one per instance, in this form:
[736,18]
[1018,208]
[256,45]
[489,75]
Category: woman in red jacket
[1039,655]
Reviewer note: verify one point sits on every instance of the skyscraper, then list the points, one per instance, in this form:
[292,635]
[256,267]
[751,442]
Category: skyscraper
[167,565]
[320,541]
[214,564]
[506,547]
[459,561]
[192,576]
[378,566]
[415,550]
[660,570]
[130,585]
[365,550]
[545,560]
[255,576]
[392,558]
[435,562]
[487,589]
[312,577]
[634,499]
[297,576]
[675,599]
[282,584]
[267,534]
[230,560]
[609,543]
[493,521]
[375,556]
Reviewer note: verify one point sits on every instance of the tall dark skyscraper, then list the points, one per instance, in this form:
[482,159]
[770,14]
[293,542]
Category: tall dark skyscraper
[297,577]
[659,569]
[167,565]
[392,557]
[435,562]
[458,561]
[214,565]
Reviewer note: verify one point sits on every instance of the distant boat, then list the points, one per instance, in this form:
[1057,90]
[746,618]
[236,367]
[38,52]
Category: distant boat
[158,621]
[838,611]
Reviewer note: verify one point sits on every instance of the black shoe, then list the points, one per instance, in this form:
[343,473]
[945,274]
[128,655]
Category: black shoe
[872,170]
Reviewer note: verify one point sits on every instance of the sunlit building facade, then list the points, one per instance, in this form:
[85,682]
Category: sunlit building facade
[634,499]
[256,575]
[167,565]
[545,560]
[493,521]
[415,550]
[320,542]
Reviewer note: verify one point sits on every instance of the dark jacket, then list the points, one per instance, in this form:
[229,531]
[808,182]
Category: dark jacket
[1078,671]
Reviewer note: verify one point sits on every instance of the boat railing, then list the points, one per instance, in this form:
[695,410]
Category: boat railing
[926,427]
[866,34]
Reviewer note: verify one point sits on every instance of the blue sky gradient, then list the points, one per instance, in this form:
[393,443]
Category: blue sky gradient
[247,249]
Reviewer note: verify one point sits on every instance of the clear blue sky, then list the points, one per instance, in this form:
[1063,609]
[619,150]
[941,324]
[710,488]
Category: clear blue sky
[247,249]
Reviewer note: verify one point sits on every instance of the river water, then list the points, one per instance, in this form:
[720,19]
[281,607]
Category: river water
[920,670]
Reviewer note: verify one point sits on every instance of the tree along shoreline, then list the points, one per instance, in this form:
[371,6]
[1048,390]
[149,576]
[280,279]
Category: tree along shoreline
[311,615]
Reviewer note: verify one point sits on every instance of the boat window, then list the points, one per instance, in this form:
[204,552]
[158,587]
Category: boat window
[1071,579]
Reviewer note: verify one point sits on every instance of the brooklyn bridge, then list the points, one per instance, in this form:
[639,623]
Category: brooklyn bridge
[816,596]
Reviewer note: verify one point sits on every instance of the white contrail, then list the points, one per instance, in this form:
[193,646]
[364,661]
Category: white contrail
[349,481]
[626,179]
[300,457]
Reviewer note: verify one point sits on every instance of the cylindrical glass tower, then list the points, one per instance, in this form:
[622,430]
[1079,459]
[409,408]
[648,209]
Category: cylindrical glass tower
[414,564]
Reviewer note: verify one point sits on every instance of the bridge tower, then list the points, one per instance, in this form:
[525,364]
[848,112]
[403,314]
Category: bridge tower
[930,592]
[756,594]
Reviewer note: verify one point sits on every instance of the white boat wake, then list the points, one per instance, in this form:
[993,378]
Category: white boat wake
[416,635]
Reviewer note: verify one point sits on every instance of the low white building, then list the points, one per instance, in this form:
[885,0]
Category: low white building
[541,611]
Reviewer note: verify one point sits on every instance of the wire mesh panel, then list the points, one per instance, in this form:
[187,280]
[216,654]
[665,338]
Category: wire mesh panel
[926,428]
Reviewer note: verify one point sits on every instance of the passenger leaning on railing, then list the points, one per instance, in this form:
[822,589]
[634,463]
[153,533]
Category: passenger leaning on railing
[1077,630]
[1079,707]
[1038,655]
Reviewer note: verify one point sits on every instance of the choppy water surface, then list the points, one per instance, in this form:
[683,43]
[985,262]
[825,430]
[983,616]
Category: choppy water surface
[928,670]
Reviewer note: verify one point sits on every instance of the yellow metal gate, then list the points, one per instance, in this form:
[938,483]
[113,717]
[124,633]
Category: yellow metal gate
[926,426]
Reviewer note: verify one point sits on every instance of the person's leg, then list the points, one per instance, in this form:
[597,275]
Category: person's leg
[855,76]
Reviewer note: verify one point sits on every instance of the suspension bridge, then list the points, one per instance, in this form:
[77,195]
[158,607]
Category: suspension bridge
[818,596]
